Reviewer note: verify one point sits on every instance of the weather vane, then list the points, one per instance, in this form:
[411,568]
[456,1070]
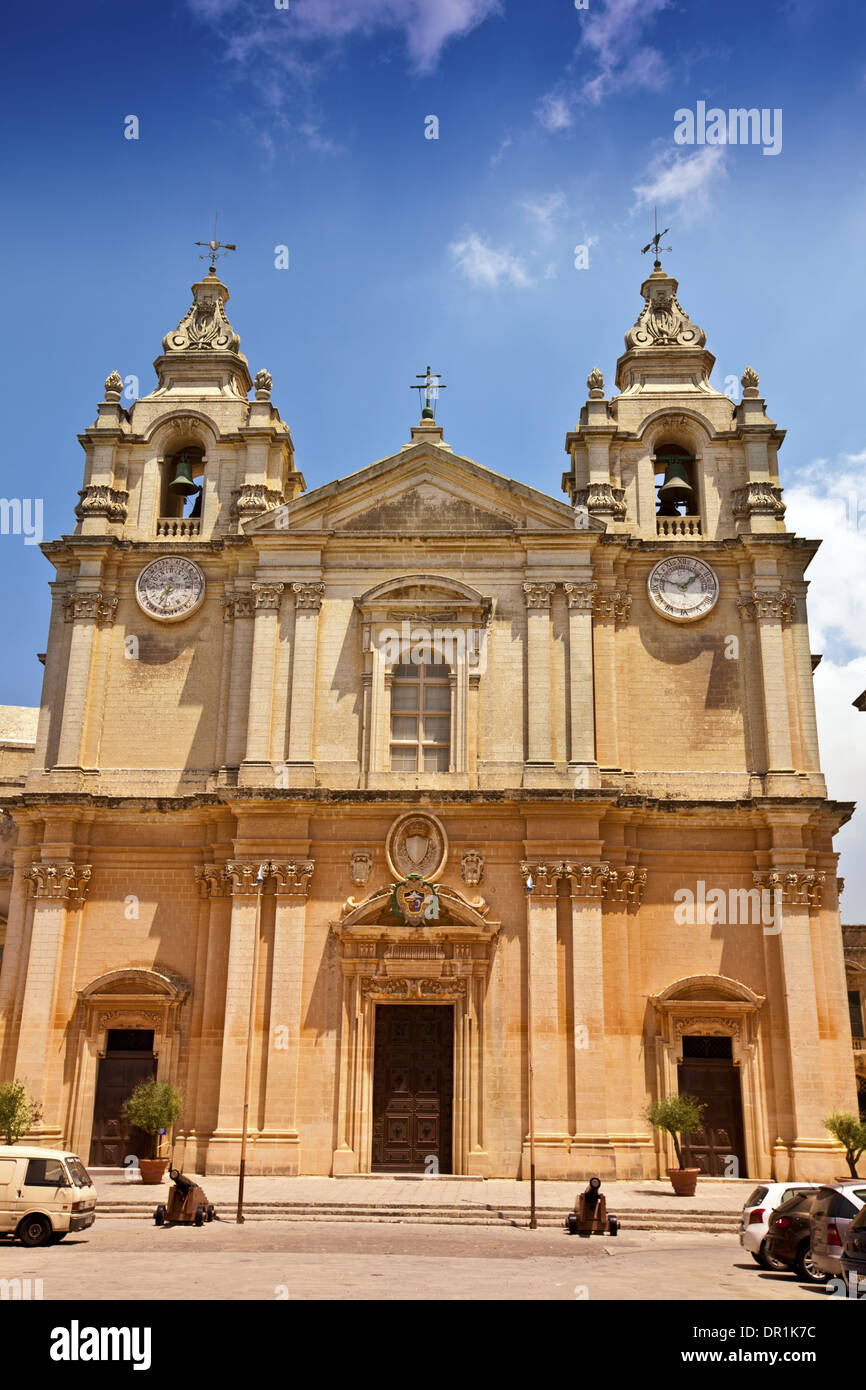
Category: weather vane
[215,249]
[654,244]
[430,383]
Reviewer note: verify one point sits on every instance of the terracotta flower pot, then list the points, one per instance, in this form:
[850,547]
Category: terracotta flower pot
[152,1169]
[684,1180]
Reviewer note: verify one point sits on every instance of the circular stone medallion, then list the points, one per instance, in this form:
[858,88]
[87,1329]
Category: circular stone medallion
[170,588]
[416,844]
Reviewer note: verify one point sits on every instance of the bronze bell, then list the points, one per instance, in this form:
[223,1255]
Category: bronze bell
[183,479]
[676,487]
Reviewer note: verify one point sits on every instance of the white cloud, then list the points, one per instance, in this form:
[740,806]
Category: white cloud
[546,211]
[427,25]
[611,40]
[488,266]
[683,182]
[555,111]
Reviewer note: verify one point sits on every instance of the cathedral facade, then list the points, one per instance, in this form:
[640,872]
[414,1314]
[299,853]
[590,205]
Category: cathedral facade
[439,819]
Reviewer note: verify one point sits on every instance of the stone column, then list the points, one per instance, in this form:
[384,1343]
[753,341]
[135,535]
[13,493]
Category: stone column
[257,764]
[308,602]
[539,757]
[85,611]
[545,1050]
[284,1028]
[57,888]
[610,607]
[244,888]
[239,609]
[772,608]
[582,759]
[590,1145]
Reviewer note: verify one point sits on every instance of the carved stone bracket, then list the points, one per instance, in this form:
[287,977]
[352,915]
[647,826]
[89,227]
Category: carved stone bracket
[60,880]
[799,888]
[602,499]
[267,595]
[472,867]
[538,595]
[758,499]
[767,603]
[91,607]
[101,500]
[308,596]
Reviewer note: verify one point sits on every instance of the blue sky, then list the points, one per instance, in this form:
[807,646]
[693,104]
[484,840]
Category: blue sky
[305,127]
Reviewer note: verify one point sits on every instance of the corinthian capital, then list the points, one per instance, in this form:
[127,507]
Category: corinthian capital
[768,604]
[91,607]
[293,876]
[60,880]
[538,595]
[308,596]
[268,595]
[580,596]
[614,603]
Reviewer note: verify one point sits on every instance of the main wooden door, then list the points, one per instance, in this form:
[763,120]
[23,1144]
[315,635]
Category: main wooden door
[128,1060]
[413,1079]
[710,1076]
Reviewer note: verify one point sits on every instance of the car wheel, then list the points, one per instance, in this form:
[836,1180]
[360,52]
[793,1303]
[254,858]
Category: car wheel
[768,1261]
[35,1230]
[806,1267]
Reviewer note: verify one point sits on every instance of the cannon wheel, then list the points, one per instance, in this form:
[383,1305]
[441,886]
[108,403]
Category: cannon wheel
[613,1226]
[211,1213]
[159,1216]
[199,1215]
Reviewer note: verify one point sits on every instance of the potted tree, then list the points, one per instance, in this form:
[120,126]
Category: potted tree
[154,1106]
[18,1113]
[850,1132]
[678,1116]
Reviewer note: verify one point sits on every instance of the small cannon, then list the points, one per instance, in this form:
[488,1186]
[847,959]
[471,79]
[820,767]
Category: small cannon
[187,1204]
[590,1216]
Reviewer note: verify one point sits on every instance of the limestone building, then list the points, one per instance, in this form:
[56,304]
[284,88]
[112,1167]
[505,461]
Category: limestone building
[438,776]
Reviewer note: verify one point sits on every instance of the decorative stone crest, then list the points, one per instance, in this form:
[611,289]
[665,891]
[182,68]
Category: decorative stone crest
[267,595]
[799,888]
[59,880]
[663,322]
[758,499]
[308,596]
[602,499]
[113,388]
[263,382]
[472,867]
[360,866]
[204,327]
[538,595]
[416,844]
[101,500]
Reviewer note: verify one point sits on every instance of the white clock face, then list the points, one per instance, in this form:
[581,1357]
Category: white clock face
[170,588]
[683,588]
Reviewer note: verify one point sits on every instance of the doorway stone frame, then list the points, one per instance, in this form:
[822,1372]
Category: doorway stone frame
[385,962]
[715,1006]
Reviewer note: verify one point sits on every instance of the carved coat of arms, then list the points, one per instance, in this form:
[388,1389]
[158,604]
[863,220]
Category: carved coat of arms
[415,900]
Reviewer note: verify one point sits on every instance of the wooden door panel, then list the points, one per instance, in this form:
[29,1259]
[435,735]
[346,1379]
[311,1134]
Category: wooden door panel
[113,1136]
[412,1083]
[716,1082]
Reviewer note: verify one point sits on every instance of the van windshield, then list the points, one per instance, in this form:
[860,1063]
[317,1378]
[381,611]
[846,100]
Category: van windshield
[78,1173]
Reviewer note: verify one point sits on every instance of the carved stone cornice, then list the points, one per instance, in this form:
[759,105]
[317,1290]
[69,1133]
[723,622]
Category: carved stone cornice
[101,500]
[766,604]
[267,595]
[581,596]
[254,498]
[602,499]
[758,499]
[798,887]
[308,596]
[293,876]
[59,880]
[614,604]
[238,605]
[90,607]
[538,595]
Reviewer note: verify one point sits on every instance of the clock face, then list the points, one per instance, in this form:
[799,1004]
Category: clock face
[170,588]
[683,588]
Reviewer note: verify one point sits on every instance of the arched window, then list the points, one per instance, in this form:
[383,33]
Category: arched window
[182,481]
[420,718]
[676,483]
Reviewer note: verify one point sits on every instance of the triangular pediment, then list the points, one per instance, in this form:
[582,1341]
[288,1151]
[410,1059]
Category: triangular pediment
[423,490]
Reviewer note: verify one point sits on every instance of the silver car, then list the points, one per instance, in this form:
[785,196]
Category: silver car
[833,1210]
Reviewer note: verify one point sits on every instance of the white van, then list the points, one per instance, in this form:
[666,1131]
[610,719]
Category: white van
[44,1194]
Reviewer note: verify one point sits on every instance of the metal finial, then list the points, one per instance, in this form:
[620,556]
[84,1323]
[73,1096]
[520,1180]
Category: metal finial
[654,244]
[430,383]
[215,249]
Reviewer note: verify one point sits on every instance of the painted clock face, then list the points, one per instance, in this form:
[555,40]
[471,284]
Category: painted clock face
[170,588]
[683,588]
